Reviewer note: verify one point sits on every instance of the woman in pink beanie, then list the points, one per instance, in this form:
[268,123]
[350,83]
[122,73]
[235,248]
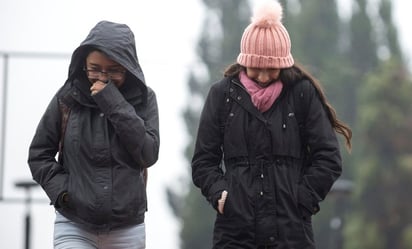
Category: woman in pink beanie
[269,122]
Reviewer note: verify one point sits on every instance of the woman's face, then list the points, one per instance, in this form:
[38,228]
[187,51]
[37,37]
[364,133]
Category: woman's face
[263,76]
[99,67]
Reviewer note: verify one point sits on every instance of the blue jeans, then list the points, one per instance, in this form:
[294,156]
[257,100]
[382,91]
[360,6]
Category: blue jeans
[68,235]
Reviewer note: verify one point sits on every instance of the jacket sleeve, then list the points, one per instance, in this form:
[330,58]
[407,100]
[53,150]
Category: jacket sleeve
[206,171]
[325,164]
[42,152]
[140,135]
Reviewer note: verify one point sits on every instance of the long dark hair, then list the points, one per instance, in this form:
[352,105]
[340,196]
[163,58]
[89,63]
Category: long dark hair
[296,73]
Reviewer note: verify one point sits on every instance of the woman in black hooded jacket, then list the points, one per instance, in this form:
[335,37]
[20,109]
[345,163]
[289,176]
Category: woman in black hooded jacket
[108,119]
[270,123]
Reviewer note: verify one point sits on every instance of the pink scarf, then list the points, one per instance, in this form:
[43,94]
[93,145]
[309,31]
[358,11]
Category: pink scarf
[262,97]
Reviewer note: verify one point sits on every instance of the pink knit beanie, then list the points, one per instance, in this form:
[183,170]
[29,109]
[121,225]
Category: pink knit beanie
[265,42]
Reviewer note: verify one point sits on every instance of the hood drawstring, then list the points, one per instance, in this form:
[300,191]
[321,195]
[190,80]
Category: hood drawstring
[284,108]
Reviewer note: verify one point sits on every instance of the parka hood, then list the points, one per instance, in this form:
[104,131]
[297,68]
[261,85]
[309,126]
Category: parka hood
[118,43]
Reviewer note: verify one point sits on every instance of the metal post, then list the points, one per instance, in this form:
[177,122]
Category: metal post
[340,190]
[6,57]
[3,121]
[27,185]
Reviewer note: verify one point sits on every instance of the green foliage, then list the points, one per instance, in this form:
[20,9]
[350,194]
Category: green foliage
[310,32]
[363,41]
[198,217]
[407,238]
[386,166]
[362,234]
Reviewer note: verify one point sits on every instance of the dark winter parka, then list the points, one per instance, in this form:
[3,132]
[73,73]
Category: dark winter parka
[110,138]
[272,189]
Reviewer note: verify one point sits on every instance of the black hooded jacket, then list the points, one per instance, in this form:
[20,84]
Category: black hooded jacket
[111,137]
[273,189]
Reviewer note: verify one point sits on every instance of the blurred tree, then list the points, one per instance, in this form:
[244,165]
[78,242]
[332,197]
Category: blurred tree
[383,218]
[363,40]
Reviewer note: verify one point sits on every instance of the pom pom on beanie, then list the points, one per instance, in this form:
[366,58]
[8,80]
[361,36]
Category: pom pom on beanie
[265,42]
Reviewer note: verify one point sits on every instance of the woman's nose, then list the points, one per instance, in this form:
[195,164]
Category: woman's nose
[103,77]
[263,77]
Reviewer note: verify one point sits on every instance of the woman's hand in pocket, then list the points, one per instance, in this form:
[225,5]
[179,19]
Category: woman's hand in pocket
[221,202]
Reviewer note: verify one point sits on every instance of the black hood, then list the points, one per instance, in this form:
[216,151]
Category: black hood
[118,43]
